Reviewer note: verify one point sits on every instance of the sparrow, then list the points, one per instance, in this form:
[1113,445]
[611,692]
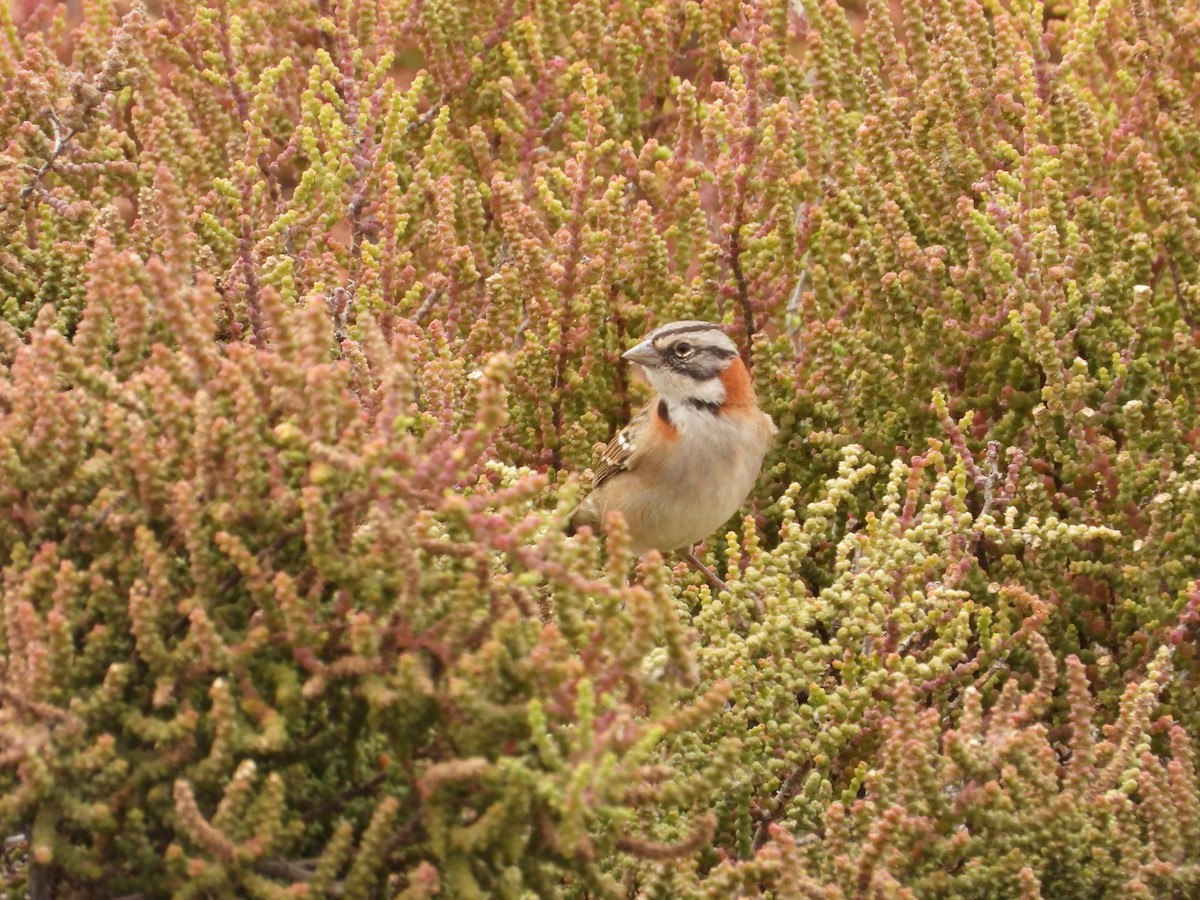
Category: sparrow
[686,462]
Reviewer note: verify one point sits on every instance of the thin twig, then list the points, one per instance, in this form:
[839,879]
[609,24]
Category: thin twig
[301,871]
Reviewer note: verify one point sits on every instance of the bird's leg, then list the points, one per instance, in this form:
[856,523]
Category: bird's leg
[694,561]
[718,585]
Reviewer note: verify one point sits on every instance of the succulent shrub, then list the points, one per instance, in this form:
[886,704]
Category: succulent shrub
[312,316]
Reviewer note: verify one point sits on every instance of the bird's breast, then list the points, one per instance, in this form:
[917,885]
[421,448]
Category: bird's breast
[705,480]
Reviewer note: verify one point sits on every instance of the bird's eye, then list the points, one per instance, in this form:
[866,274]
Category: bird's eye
[683,349]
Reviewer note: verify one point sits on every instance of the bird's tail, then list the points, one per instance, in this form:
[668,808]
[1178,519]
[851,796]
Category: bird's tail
[582,515]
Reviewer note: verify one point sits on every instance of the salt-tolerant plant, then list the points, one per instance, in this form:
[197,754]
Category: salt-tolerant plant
[312,323]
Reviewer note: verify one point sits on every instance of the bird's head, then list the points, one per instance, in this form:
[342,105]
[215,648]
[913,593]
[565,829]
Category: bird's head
[690,362]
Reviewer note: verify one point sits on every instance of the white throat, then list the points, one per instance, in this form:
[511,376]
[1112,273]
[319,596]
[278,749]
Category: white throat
[677,389]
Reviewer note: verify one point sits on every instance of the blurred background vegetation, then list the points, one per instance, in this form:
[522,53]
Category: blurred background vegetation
[312,314]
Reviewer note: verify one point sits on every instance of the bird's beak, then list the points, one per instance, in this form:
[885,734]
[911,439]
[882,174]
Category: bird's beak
[643,354]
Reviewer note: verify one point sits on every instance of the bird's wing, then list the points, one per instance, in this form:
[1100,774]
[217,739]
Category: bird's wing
[620,449]
[617,457]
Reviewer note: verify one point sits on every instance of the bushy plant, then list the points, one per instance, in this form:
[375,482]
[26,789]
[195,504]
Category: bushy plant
[312,315]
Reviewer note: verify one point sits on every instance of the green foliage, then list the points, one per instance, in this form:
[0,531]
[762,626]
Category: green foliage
[312,316]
